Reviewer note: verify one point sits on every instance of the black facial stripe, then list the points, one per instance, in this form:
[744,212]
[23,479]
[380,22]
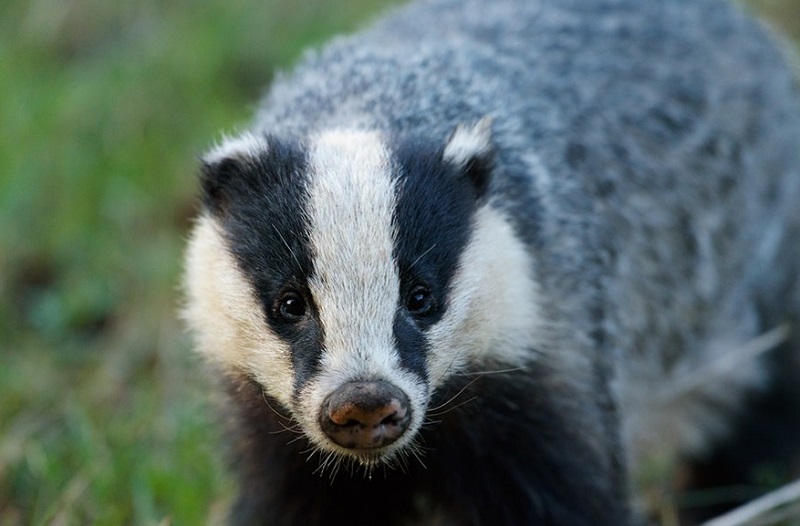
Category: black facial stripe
[411,345]
[433,219]
[268,233]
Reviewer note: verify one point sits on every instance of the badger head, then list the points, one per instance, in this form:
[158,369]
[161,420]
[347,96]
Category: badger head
[352,276]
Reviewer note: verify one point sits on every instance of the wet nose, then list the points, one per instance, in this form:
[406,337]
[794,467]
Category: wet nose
[365,415]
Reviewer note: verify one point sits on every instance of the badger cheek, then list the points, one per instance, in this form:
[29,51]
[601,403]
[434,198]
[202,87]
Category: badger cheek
[365,415]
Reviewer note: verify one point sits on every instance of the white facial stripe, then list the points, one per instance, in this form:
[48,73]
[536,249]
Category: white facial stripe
[355,282]
[493,290]
[226,317]
[243,146]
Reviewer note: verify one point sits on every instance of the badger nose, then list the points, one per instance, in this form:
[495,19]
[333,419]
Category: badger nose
[364,415]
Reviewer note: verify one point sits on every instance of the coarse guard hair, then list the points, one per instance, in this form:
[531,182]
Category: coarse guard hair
[486,262]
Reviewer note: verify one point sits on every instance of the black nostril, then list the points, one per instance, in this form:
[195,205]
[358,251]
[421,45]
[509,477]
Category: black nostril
[364,415]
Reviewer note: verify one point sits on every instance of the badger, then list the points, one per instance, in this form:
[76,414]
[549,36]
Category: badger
[485,261]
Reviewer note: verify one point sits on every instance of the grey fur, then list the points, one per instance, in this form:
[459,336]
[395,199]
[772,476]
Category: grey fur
[661,140]
[648,153]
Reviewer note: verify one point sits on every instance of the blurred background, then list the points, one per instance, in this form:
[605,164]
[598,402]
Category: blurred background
[105,415]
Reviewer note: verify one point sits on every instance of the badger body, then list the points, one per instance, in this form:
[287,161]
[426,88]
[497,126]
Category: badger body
[484,260]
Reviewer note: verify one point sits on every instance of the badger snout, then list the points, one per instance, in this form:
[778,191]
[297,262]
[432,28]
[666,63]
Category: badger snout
[365,415]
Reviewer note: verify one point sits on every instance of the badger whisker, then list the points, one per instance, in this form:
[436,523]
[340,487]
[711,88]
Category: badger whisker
[400,462]
[432,410]
[286,244]
[313,450]
[294,428]
[429,423]
[265,398]
[326,460]
[445,411]
[497,371]
[285,429]
[300,436]
[417,451]
[422,256]
[337,464]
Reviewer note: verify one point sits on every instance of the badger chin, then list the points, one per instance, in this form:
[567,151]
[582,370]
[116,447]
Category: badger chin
[334,458]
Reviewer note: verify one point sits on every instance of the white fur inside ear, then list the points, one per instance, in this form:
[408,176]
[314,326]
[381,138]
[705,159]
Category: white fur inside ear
[242,147]
[468,142]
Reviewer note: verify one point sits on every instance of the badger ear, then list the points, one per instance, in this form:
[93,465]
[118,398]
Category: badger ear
[225,165]
[469,149]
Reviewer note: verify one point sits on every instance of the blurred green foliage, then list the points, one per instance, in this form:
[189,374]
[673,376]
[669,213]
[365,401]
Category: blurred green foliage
[104,107]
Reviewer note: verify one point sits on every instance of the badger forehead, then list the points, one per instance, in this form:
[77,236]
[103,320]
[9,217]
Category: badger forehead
[357,221]
[352,198]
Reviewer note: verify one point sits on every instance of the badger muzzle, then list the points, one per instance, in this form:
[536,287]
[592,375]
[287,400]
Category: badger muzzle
[365,415]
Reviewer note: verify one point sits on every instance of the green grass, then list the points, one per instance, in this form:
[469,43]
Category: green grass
[104,106]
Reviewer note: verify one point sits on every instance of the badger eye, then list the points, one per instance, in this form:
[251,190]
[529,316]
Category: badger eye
[419,301]
[291,307]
